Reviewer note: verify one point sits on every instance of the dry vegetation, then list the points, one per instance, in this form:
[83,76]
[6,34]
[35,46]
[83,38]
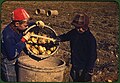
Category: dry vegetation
[103,25]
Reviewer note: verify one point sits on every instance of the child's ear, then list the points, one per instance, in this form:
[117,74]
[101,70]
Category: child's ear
[17,24]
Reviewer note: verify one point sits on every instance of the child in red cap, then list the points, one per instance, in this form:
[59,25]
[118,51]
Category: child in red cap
[13,42]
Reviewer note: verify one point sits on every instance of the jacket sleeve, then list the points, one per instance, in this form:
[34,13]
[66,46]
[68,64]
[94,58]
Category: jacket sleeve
[65,36]
[92,54]
[13,49]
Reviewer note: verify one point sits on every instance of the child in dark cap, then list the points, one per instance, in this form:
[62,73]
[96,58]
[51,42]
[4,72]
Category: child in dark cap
[83,48]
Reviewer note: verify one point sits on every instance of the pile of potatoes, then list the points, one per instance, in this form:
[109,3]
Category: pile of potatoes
[40,46]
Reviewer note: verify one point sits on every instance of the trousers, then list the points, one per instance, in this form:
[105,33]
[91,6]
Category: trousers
[81,75]
[9,70]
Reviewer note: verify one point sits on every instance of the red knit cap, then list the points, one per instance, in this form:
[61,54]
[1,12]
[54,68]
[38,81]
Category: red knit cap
[20,14]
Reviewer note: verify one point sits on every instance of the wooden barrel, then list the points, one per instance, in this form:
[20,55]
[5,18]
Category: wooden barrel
[48,70]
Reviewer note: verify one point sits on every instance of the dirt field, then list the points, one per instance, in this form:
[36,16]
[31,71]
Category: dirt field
[103,25]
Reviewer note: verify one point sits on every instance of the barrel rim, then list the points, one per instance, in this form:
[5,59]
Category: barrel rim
[44,68]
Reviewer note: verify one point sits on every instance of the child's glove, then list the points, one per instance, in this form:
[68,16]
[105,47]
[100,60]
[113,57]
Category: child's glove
[26,37]
[57,40]
[40,23]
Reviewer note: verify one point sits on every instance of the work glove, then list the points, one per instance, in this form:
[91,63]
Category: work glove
[26,37]
[40,23]
[57,40]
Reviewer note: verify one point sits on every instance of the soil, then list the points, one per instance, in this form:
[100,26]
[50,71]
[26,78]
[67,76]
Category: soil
[103,24]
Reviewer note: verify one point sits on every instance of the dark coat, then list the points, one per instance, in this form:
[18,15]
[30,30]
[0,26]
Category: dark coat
[11,44]
[11,47]
[83,48]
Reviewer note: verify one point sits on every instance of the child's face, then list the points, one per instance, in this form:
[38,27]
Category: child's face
[81,30]
[22,25]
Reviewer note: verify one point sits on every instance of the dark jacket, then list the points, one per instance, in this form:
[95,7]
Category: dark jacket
[83,48]
[11,44]
[11,47]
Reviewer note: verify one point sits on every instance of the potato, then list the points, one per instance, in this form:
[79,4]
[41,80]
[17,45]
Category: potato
[48,52]
[47,41]
[54,42]
[28,46]
[34,50]
[43,53]
[43,41]
[44,48]
[36,46]
[32,33]
[41,49]
[39,41]
[34,39]
[53,48]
